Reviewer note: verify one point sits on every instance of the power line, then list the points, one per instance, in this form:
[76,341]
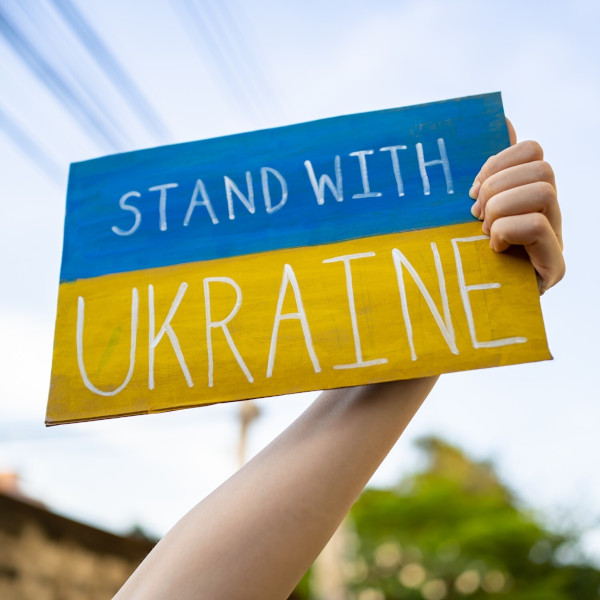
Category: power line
[243,51]
[219,50]
[98,50]
[29,147]
[56,84]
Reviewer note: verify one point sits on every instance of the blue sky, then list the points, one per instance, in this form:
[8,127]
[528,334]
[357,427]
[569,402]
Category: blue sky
[237,66]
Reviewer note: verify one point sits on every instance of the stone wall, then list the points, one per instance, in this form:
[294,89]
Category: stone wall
[44,556]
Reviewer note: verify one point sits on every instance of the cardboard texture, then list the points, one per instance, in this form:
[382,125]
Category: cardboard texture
[326,254]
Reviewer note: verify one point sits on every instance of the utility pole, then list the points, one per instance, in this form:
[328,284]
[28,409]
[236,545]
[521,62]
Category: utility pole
[248,412]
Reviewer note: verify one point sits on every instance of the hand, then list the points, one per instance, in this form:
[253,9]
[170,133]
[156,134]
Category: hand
[515,197]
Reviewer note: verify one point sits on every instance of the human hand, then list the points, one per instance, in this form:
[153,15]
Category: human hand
[515,197]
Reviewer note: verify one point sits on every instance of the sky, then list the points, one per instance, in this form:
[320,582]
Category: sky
[168,72]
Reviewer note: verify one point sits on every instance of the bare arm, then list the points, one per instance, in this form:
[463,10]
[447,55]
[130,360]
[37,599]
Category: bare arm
[256,535]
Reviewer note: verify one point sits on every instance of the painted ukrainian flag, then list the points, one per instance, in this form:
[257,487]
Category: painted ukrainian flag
[326,254]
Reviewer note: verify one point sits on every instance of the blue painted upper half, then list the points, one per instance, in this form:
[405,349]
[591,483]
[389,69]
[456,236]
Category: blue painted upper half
[472,128]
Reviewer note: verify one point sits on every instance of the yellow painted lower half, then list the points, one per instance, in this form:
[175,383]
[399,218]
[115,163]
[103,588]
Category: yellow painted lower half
[376,309]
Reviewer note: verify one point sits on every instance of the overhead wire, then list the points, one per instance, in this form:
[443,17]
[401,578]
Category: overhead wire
[218,38]
[243,54]
[106,60]
[55,40]
[30,148]
[214,45]
[56,83]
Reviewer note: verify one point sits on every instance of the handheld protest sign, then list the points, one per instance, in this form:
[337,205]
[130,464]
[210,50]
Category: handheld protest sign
[326,254]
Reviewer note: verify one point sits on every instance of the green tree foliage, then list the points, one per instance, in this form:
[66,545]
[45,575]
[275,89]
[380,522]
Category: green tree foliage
[455,531]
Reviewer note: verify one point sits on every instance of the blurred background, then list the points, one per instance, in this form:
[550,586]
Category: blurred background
[513,452]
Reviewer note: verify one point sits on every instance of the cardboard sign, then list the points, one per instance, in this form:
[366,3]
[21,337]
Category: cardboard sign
[326,254]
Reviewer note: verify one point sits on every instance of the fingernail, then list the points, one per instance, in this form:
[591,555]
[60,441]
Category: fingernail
[485,228]
[476,210]
[474,191]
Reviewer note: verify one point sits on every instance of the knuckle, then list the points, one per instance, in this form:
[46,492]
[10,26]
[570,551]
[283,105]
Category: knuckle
[488,168]
[487,189]
[492,211]
[497,231]
[546,194]
[562,269]
[544,171]
[538,225]
[498,239]
[532,149]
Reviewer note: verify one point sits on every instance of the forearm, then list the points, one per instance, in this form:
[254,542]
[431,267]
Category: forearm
[257,534]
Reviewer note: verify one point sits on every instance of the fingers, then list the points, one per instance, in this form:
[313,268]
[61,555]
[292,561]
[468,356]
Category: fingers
[534,232]
[515,197]
[520,190]
[522,153]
